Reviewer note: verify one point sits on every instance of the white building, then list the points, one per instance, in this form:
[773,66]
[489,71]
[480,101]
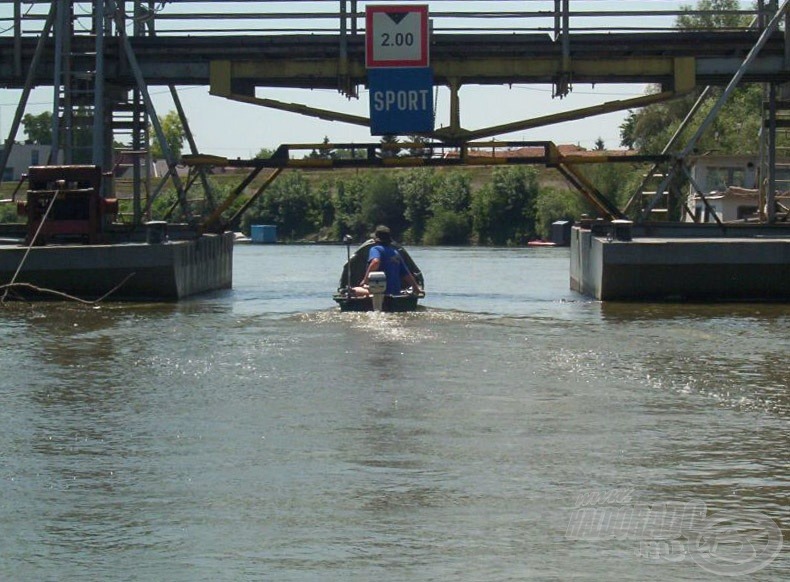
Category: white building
[730,185]
[23,156]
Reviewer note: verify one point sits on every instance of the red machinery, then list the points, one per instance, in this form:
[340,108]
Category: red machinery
[78,212]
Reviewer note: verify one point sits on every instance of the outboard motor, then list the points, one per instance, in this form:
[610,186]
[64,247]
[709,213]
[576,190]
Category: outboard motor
[377,284]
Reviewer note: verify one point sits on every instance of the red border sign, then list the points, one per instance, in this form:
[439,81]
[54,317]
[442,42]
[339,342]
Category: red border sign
[374,59]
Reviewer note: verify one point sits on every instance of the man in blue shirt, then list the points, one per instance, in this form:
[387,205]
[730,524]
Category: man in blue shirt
[383,257]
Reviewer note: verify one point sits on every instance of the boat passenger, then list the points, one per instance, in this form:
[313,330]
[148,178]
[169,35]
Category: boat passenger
[384,257]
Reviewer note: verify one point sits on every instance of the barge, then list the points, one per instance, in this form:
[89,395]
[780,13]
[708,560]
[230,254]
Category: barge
[70,245]
[617,261]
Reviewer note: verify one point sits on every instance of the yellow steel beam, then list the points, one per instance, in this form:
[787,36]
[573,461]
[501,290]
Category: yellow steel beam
[230,199]
[235,81]
[223,75]
[539,68]
[464,70]
[302,109]
[204,160]
[251,200]
[405,162]
[525,124]
[310,163]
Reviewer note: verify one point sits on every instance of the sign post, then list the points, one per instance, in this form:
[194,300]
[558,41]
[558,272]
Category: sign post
[396,36]
[401,101]
[399,77]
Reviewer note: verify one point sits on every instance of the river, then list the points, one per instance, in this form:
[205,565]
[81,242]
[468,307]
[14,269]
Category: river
[259,434]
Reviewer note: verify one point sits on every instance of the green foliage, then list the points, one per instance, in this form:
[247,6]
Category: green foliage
[382,203]
[421,206]
[447,227]
[553,205]
[38,128]
[715,15]
[736,127]
[615,181]
[322,153]
[417,191]
[347,202]
[8,213]
[452,191]
[289,203]
[389,151]
[162,204]
[325,210]
[174,134]
[503,211]
[419,142]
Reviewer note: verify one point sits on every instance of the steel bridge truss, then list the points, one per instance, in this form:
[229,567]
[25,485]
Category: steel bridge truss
[100,57]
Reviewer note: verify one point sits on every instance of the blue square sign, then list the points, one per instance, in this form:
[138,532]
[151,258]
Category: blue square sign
[401,101]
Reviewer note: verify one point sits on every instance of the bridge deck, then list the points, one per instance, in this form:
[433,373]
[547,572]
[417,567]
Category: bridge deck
[312,61]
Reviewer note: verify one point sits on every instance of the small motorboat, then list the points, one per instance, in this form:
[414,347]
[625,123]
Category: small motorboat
[354,270]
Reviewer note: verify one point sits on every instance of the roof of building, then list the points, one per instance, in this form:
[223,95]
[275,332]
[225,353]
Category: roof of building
[539,151]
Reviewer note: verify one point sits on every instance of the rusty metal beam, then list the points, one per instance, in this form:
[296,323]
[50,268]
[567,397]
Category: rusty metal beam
[451,135]
[231,198]
[251,200]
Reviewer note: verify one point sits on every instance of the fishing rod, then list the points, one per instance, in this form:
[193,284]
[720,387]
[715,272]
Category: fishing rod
[347,239]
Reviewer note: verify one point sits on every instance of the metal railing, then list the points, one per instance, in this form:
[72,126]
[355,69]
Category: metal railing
[270,17]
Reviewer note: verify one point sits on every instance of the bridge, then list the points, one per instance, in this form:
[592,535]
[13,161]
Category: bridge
[102,56]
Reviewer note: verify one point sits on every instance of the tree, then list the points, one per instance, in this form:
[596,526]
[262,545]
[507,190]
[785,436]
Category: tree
[452,191]
[553,205]
[322,153]
[382,204]
[599,144]
[416,188]
[38,128]
[447,228]
[347,203]
[174,133]
[419,148]
[290,204]
[39,131]
[736,127]
[628,134]
[389,151]
[717,14]
[503,211]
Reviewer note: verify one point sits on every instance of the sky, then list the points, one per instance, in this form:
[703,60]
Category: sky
[238,130]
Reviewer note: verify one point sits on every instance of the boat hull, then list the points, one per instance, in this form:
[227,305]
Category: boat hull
[146,272]
[392,303]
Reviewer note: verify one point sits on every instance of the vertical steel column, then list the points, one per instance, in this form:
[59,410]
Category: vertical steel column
[770,195]
[138,133]
[17,38]
[562,33]
[566,26]
[99,123]
[29,83]
[557,7]
[343,64]
[57,80]
[69,85]
[150,21]
[455,105]
[149,106]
